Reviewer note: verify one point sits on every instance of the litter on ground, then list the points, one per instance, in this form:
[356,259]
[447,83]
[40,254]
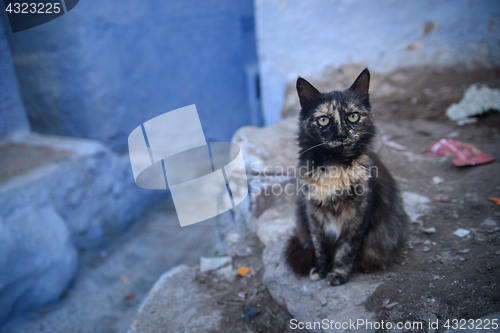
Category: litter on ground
[476,100]
[465,153]
[242,271]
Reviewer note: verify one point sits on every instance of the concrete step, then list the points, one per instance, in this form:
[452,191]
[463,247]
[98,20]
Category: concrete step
[58,195]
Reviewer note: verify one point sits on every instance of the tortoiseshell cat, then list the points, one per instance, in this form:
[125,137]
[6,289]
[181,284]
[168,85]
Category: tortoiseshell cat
[349,211]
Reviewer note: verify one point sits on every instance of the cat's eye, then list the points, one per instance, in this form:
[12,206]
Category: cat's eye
[323,121]
[353,117]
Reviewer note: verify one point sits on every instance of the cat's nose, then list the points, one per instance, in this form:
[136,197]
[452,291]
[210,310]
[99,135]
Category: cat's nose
[342,135]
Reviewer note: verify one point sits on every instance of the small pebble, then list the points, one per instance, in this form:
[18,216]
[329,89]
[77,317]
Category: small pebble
[426,249]
[436,277]
[461,232]
[429,231]
[464,251]
[437,180]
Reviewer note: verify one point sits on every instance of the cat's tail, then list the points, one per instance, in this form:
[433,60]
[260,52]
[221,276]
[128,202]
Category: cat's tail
[299,257]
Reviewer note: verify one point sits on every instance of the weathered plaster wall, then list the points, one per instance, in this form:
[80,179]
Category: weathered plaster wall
[107,66]
[304,38]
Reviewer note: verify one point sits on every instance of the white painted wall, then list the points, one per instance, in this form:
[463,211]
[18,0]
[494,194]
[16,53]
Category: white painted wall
[304,37]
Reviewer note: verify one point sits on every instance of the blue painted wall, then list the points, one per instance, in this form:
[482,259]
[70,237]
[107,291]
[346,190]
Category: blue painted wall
[12,115]
[107,66]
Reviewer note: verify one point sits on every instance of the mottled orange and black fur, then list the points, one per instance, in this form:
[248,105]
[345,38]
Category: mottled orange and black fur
[349,211]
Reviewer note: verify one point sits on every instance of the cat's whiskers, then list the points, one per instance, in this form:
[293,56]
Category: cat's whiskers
[336,144]
[324,143]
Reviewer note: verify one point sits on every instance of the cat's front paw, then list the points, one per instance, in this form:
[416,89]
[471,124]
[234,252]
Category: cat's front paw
[316,274]
[337,278]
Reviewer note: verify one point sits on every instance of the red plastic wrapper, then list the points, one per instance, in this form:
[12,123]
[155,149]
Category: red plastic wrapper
[466,154]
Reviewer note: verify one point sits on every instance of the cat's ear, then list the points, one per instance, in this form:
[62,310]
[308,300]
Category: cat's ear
[362,84]
[306,92]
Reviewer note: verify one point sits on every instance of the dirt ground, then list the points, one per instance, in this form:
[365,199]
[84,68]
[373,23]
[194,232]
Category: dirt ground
[442,276]
[269,316]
